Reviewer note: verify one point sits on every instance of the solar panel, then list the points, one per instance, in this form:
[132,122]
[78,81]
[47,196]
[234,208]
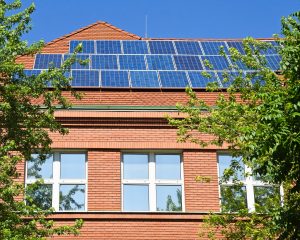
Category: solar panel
[187,62]
[85,78]
[114,79]
[172,79]
[144,79]
[226,82]
[104,62]
[237,45]
[189,48]
[132,62]
[44,61]
[77,65]
[238,63]
[213,48]
[273,62]
[160,62]
[31,72]
[272,50]
[161,47]
[198,80]
[217,62]
[135,47]
[108,47]
[87,46]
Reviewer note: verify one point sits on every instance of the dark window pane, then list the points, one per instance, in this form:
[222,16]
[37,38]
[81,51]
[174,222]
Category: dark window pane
[168,198]
[72,166]
[136,198]
[233,198]
[167,167]
[135,166]
[266,198]
[39,195]
[40,168]
[72,197]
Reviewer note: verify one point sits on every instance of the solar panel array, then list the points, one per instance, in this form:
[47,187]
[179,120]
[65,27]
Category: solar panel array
[150,64]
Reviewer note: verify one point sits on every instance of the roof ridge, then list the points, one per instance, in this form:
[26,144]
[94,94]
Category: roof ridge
[89,26]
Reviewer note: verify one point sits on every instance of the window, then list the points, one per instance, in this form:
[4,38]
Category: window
[243,190]
[64,181]
[152,182]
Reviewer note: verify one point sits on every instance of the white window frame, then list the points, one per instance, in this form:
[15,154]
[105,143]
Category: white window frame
[152,182]
[56,181]
[249,182]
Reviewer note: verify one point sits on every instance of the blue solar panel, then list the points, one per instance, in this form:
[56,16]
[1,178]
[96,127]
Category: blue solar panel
[104,62]
[237,45]
[273,62]
[217,62]
[135,47]
[160,62]
[238,64]
[132,62]
[44,61]
[108,47]
[255,78]
[87,46]
[213,48]
[161,47]
[189,48]
[114,79]
[77,65]
[230,78]
[188,62]
[144,79]
[85,78]
[31,72]
[200,81]
[272,50]
[173,79]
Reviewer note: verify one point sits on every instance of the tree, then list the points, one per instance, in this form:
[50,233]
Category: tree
[25,126]
[259,119]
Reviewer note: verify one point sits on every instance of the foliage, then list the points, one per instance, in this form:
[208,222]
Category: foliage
[25,126]
[258,118]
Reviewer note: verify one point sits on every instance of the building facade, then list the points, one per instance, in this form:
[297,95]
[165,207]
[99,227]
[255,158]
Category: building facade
[120,168]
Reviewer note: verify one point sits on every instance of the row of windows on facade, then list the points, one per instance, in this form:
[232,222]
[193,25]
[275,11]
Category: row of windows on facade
[149,182]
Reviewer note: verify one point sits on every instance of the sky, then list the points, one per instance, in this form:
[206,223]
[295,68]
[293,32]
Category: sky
[165,18]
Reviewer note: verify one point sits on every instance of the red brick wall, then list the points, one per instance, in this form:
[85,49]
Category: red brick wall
[104,180]
[200,196]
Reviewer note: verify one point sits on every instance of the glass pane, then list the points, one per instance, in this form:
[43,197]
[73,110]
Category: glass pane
[168,198]
[168,167]
[225,162]
[135,166]
[40,168]
[72,166]
[233,198]
[72,197]
[136,198]
[266,198]
[40,195]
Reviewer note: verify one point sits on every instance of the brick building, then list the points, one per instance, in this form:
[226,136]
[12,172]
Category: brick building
[120,168]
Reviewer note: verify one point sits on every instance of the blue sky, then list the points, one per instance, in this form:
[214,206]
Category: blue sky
[166,18]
